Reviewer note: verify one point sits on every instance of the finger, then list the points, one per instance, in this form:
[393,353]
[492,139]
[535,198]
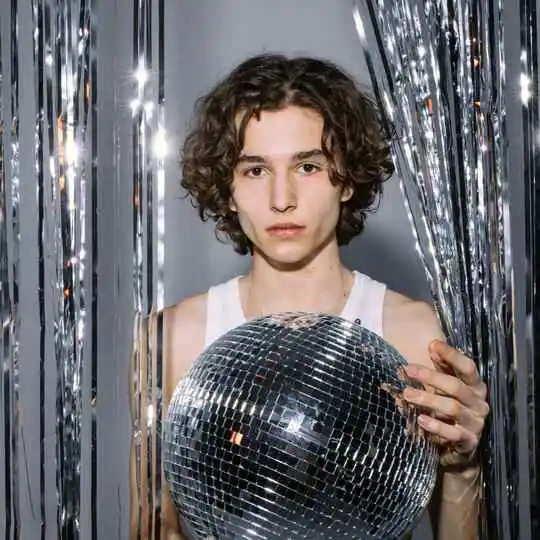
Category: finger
[479,389]
[444,384]
[446,408]
[461,439]
[463,366]
[443,367]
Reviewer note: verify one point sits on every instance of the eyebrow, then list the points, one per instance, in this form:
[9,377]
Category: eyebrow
[298,156]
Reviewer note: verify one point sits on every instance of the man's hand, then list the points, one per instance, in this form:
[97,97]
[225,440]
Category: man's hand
[454,402]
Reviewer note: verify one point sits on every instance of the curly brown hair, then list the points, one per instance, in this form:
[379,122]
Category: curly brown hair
[354,141]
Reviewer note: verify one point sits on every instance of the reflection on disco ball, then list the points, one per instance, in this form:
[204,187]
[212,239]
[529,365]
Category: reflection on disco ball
[292,426]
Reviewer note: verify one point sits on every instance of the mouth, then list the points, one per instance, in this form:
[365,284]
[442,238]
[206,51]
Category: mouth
[285,230]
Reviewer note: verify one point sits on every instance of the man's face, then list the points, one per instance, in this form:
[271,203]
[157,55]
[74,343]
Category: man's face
[282,192]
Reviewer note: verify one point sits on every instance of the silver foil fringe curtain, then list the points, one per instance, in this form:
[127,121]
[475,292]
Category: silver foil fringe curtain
[82,153]
[81,266]
[48,209]
[148,151]
[457,82]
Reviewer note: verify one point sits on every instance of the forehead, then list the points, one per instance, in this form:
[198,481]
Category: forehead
[283,132]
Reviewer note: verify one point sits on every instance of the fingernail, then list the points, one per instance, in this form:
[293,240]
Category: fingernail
[432,347]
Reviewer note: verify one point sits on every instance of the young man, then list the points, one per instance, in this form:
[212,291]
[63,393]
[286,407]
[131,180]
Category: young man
[287,156]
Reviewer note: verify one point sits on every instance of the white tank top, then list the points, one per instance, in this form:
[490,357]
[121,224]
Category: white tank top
[224,308]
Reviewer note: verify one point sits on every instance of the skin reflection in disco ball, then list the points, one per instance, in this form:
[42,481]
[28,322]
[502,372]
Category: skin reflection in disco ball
[291,426]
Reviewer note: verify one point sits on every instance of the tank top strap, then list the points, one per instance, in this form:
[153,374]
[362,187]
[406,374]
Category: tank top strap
[223,310]
[366,303]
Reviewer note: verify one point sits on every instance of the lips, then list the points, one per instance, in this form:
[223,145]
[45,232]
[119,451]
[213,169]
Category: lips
[284,227]
[285,230]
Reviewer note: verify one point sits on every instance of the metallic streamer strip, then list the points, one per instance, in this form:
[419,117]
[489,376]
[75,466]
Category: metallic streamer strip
[72,116]
[16,242]
[160,152]
[531,128]
[149,149]
[62,81]
[37,11]
[9,273]
[90,85]
[5,311]
[438,72]
[139,149]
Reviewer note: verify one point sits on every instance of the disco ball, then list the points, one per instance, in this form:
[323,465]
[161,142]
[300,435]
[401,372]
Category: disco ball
[292,426]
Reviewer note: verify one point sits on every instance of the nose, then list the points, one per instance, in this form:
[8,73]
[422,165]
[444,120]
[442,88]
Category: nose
[283,197]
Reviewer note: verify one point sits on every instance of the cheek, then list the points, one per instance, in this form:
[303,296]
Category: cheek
[245,207]
[329,206]
[246,220]
[332,218]
[244,198]
[329,217]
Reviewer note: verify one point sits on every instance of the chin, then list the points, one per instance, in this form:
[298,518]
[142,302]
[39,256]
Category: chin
[288,257]
[293,254]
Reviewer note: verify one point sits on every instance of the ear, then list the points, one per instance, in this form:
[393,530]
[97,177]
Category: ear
[232,205]
[346,194]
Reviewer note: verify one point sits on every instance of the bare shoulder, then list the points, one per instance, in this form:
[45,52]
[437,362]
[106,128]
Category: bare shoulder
[410,326]
[184,326]
[186,316]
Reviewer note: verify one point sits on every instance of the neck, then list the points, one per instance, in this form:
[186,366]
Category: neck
[322,284]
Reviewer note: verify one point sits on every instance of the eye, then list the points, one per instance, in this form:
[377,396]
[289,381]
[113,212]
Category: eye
[253,172]
[309,168]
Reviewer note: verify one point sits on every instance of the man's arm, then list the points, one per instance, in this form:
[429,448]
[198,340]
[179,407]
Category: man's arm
[139,511]
[184,328]
[455,504]
[460,397]
[183,340]
[454,391]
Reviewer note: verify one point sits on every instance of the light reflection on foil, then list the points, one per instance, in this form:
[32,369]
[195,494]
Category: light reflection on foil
[63,148]
[149,148]
[438,70]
